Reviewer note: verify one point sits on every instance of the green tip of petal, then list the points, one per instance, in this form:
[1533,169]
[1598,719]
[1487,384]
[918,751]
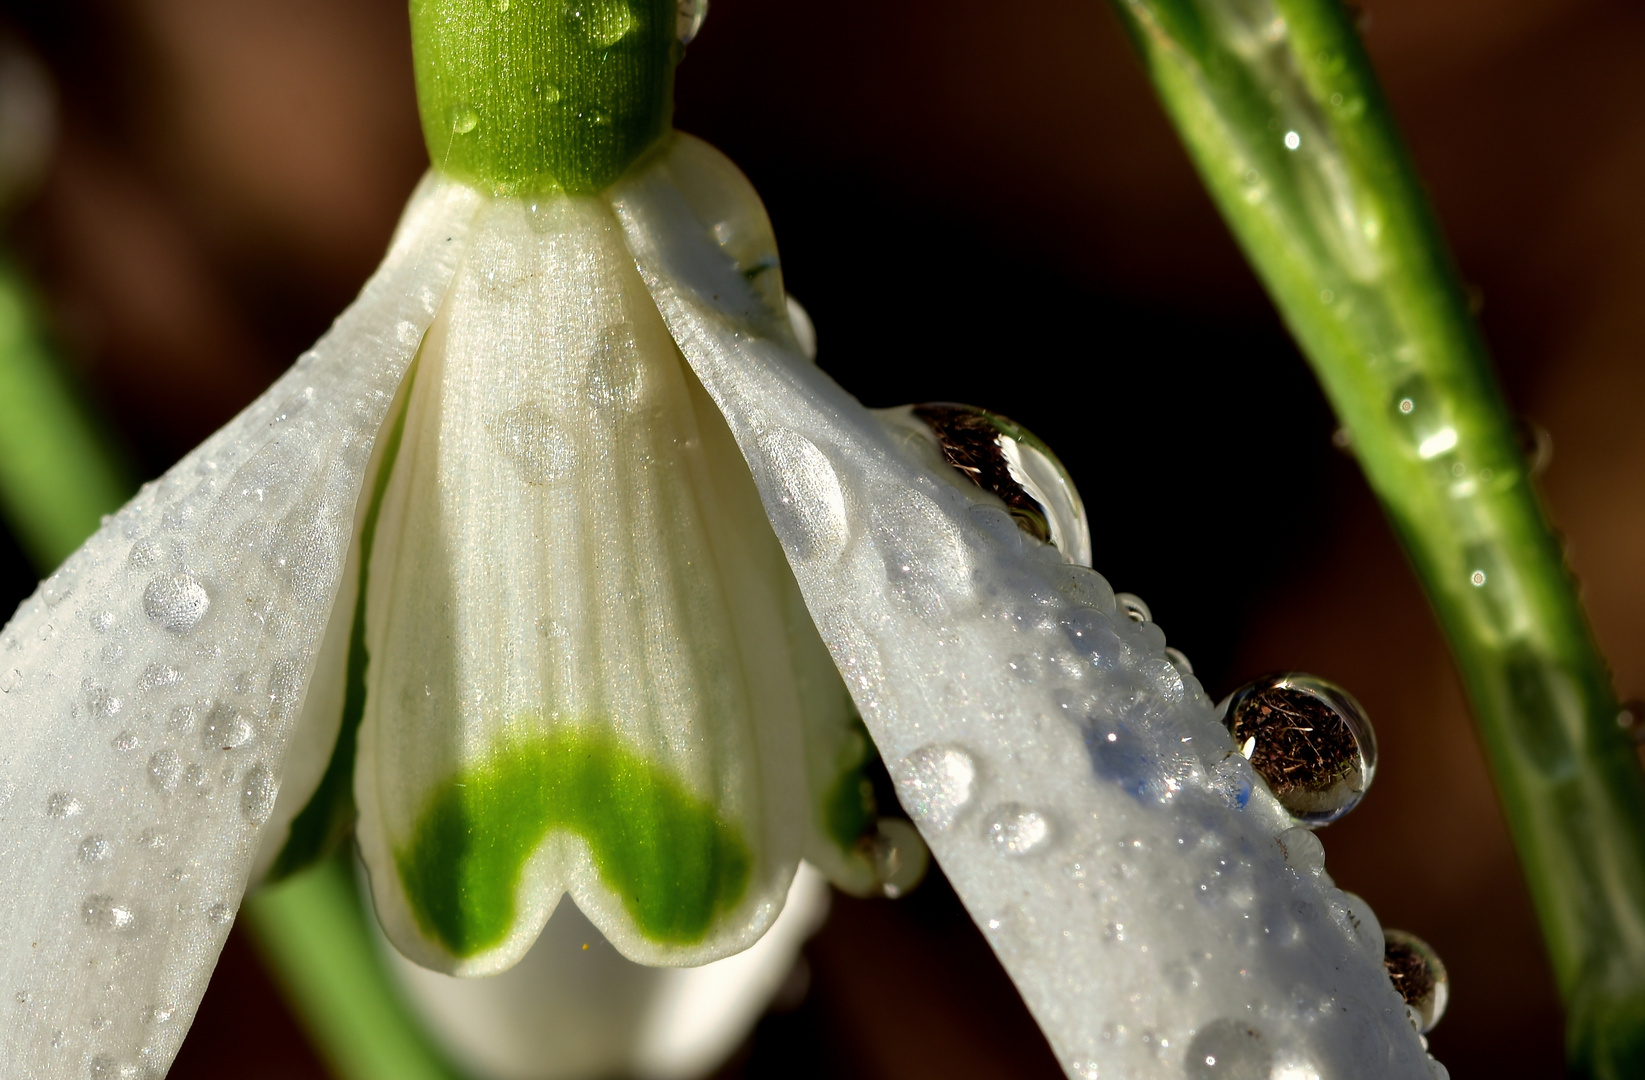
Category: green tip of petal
[525,97]
[675,865]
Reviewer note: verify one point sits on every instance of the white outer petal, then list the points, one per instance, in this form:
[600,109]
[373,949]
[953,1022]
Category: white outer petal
[118,882]
[1161,912]
[574,1008]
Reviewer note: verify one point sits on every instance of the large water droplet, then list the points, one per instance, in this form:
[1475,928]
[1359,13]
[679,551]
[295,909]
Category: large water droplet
[900,856]
[533,441]
[1006,459]
[811,514]
[226,729]
[1229,1049]
[464,118]
[1419,976]
[689,20]
[603,22]
[103,912]
[176,601]
[1309,739]
[937,782]
[1014,829]
[257,793]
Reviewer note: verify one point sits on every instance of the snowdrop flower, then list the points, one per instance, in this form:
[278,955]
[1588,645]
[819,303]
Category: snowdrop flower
[525,564]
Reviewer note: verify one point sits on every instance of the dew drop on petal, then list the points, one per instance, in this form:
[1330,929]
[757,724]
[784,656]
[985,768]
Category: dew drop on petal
[1014,829]
[164,768]
[1419,976]
[1134,608]
[1309,739]
[104,912]
[1007,460]
[64,805]
[937,783]
[94,849]
[176,601]
[220,914]
[1229,1049]
[257,792]
[9,679]
[1179,661]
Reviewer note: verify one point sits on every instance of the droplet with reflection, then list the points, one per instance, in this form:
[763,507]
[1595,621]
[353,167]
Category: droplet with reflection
[1007,460]
[1308,739]
[1419,975]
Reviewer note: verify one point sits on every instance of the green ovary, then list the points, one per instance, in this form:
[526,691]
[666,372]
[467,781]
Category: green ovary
[663,851]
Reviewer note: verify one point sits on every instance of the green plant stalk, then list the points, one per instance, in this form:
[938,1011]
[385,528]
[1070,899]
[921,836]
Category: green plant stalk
[58,477]
[311,931]
[1282,115]
[46,437]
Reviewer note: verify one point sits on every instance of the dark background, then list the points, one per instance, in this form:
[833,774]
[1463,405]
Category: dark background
[980,202]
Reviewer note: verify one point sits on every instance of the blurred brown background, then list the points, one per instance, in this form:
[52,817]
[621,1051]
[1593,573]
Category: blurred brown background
[981,202]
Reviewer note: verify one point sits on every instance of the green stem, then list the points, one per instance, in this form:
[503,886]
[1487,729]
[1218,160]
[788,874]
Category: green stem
[46,437]
[526,97]
[311,931]
[58,477]
[1279,108]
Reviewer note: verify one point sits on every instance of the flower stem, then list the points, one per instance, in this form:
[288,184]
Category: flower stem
[58,477]
[526,97]
[1281,113]
[47,437]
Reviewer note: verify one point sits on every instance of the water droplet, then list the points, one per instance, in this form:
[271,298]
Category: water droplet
[1179,661]
[900,857]
[1005,459]
[164,767]
[533,442]
[144,555]
[55,589]
[464,118]
[98,699]
[1419,976]
[805,331]
[1302,850]
[226,729]
[545,90]
[1014,829]
[500,6]
[1229,1049]
[9,680]
[937,783]
[604,22]
[176,601]
[160,677]
[811,512]
[1134,608]
[103,912]
[64,805]
[103,621]
[1313,743]
[689,20]
[1231,778]
[1536,444]
[257,792]
[104,1067]
[220,914]
[94,849]
[160,1014]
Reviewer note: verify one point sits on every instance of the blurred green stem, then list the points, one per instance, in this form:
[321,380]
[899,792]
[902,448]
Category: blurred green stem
[58,477]
[1281,113]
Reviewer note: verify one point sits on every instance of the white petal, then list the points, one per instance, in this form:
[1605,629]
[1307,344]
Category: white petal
[579,678]
[574,1008]
[1074,795]
[151,684]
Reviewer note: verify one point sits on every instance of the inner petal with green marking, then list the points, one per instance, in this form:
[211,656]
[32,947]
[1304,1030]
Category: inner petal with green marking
[672,861]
